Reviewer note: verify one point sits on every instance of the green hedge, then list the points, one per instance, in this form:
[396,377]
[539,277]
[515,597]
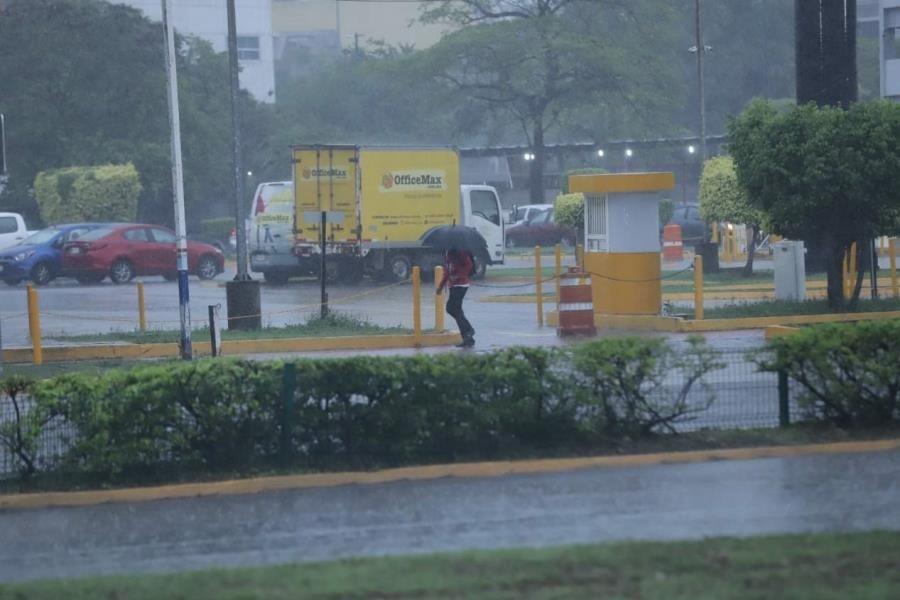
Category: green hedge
[79,194]
[361,411]
[568,211]
[849,373]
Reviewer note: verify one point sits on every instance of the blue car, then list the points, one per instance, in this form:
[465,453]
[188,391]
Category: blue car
[39,256]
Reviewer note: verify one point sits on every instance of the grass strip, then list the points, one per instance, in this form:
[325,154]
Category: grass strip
[821,566]
[781,308]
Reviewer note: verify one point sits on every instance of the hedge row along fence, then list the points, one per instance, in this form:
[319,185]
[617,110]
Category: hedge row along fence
[365,411]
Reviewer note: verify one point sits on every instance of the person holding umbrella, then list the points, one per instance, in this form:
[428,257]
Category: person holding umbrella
[458,267]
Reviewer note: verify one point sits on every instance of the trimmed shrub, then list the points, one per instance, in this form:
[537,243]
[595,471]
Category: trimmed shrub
[367,410]
[568,211]
[79,194]
[849,373]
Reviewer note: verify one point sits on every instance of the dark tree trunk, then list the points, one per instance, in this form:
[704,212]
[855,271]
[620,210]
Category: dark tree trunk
[862,246]
[834,251]
[751,250]
[536,170]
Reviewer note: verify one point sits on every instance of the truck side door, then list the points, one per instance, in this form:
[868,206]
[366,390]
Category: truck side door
[486,217]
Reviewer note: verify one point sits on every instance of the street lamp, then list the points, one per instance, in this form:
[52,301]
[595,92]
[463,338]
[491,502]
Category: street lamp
[691,150]
[628,154]
[528,156]
[601,153]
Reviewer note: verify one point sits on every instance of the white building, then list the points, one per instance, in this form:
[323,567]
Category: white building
[208,19]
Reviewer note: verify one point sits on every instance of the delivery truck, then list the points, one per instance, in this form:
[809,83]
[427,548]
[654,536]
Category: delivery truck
[380,204]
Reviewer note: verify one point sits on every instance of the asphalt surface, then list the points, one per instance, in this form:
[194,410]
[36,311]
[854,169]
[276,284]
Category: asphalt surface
[819,493]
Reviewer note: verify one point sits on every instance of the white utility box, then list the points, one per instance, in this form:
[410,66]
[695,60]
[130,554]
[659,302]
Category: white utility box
[790,271]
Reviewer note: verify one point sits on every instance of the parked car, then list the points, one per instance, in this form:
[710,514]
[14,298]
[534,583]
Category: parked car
[39,256]
[122,251]
[693,227]
[521,214]
[541,230]
[12,229]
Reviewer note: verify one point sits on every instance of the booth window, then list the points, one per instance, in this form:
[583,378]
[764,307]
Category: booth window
[595,219]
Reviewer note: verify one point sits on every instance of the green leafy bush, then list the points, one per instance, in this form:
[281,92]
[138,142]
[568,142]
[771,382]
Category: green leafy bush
[17,435]
[568,211]
[849,373]
[366,410]
[78,194]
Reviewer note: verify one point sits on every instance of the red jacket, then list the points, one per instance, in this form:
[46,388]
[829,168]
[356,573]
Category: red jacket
[457,271]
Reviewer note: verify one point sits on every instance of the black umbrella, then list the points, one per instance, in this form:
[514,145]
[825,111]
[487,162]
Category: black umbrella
[449,237]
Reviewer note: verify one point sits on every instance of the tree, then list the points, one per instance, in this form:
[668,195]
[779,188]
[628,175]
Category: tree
[723,199]
[83,82]
[540,62]
[823,174]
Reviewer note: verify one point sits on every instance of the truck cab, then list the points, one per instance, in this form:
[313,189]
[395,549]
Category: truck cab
[12,229]
[481,210]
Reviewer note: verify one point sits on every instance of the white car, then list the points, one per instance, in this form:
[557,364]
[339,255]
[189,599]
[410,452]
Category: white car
[12,229]
[525,212]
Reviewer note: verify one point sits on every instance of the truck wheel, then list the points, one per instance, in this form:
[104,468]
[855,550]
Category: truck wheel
[351,272]
[398,267]
[275,277]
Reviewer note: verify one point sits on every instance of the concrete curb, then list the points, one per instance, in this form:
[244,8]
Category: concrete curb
[483,469]
[679,325]
[231,347]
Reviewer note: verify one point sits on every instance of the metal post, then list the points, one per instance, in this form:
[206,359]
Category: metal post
[438,300]
[288,387]
[239,212]
[215,331]
[539,288]
[417,305]
[34,326]
[873,271]
[700,86]
[892,249]
[579,256]
[1,345]
[784,404]
[184,299]
[698,287]
[324,298]
[558,272]
[142,313]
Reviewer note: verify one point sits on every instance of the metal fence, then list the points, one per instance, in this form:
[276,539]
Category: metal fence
[743,397]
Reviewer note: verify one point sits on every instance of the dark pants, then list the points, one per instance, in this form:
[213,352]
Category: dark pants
[455,310]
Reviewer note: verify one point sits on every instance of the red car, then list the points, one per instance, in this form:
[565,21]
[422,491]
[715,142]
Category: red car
[540,230]
[125,250]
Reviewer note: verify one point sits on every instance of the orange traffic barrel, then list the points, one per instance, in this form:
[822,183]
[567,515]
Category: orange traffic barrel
[576,304]
[673,247]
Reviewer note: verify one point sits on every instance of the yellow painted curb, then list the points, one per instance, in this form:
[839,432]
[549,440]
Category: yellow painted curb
[483,469]
[232,347]
[675,324]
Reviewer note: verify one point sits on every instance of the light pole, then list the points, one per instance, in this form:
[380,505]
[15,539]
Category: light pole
[690,152]
[241,294]
[700,49]
[184,297]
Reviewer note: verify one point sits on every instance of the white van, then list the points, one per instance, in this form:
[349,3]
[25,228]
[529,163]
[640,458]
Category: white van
[522,213]
[270,232]
[12,229]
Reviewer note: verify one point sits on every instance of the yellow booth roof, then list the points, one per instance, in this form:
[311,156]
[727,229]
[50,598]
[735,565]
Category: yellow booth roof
[607,183]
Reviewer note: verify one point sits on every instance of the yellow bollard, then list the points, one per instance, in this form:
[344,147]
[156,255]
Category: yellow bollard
[892,249]
[539,288]
[698,288]
[845,275]
[558,272]
[34,326]
[142,313]
[438,300]
[417,305]
[579,256]
[850,273]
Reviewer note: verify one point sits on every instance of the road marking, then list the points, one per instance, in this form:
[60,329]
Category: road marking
[467,470]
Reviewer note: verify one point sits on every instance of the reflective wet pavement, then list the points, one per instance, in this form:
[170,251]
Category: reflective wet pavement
[731,498]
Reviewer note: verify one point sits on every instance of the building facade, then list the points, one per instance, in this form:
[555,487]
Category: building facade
[207,19]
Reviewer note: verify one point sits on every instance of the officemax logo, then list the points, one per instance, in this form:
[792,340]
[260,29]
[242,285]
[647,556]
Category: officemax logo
[409,181]
[333,173]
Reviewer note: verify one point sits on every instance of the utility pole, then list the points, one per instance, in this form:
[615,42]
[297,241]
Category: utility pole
[242,295]
[701,50]
[184,298]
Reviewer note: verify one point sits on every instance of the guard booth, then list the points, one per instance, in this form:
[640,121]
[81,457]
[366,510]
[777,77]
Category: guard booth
[622,245]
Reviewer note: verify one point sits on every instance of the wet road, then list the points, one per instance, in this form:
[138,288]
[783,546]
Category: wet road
[797,494]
